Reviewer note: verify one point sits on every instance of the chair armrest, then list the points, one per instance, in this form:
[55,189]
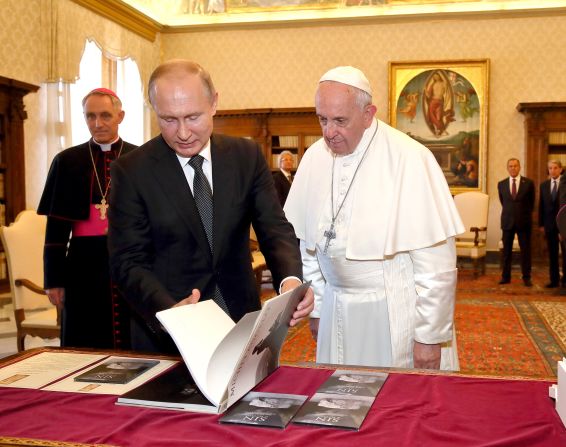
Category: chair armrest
[30,285]
[477,230]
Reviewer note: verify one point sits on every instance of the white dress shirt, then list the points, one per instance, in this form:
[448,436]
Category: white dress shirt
[206,166]
[517,182]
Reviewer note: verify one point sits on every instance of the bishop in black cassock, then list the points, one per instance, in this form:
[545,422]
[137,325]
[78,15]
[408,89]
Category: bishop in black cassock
[75,254]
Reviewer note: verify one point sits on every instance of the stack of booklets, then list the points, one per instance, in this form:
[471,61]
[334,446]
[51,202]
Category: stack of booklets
[223,360]
[343,401]
[267,409]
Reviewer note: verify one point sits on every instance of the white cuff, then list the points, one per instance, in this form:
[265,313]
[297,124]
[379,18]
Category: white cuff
[434,320]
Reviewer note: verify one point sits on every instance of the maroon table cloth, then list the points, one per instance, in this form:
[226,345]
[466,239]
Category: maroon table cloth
[410,410]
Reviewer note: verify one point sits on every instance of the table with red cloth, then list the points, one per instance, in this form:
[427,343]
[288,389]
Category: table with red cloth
[412,409]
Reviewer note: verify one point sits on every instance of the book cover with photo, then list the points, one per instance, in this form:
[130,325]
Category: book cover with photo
[117,370]
[355,383]
[335,410]
[265,409]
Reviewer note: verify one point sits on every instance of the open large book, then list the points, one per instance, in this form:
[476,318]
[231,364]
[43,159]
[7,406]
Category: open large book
[225,359]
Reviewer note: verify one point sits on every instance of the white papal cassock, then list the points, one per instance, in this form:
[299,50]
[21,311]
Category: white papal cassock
[389,276]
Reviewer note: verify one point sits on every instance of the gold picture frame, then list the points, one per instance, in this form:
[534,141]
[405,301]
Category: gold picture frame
[444,105]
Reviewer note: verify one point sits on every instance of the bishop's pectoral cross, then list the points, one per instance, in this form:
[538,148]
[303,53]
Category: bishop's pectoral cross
[102,207]
[329,234]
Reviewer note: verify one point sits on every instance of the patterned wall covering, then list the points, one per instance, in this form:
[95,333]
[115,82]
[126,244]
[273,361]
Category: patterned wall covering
[23,58]
[281,67]
[44,39]
[20,35]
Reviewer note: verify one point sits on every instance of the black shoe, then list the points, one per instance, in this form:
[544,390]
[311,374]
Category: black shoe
[551,285]
[527,282]
[505,281]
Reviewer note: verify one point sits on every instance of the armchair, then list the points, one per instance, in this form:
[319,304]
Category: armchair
[473,208]
[23,243]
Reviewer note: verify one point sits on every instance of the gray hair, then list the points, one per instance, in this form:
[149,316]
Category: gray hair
[363,98]
[281,156]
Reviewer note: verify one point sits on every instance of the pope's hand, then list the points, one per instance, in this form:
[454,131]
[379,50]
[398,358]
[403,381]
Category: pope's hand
[426,356]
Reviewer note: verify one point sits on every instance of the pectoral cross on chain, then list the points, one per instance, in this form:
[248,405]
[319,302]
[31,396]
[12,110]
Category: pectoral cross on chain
[329,234]
[102,207]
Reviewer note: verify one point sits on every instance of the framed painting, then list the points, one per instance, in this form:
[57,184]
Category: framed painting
[444,105]
[251,6]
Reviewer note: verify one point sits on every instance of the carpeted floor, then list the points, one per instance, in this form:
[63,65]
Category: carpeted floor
[509,330]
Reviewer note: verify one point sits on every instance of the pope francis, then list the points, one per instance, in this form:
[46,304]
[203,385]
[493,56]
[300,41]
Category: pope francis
[376,223]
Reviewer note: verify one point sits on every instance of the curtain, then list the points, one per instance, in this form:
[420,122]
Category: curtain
[58,124]
[66,27]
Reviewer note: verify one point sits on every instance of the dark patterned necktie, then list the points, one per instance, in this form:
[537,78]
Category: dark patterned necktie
[554,190]
[514,189]
[202,193]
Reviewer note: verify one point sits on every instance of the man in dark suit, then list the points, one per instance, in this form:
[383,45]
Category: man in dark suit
[283,177]
[162,252]
[517,197]
[548,209]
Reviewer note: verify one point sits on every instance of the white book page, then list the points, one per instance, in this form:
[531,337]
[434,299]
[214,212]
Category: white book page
[228,352]
[69,385]
[197,329]
[38,370]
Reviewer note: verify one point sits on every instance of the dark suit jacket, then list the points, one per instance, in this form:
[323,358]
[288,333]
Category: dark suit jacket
[158,247]
[562,190]
[282,186]
[561,218]
[547,208]
[516,214]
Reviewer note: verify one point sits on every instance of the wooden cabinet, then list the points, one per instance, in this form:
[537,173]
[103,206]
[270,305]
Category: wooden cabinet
[545,139]
[12,167]
[275,130]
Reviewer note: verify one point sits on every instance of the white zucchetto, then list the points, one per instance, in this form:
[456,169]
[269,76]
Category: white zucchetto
[349,76]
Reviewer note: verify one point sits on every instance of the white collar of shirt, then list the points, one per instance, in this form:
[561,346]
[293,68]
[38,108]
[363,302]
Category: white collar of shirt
[107,146]
[206,166]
